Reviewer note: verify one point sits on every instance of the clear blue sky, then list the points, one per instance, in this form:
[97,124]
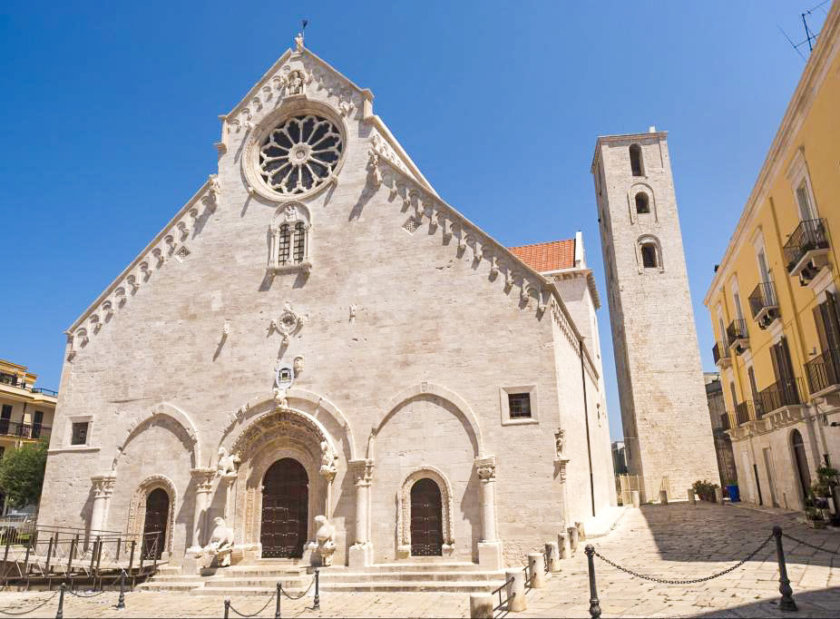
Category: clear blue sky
[110,114]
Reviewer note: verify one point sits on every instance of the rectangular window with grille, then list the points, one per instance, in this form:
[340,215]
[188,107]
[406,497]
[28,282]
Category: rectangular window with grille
[519,405]
[79,434]
[299,242]
[283,245]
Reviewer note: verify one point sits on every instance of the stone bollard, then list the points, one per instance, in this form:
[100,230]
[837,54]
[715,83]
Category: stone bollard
[636,498]
[563,546]
[691,498]
[719,495]
[581,531]
[663,497]
[536,561]
[481,606]
[516,591]
[573,538]
[552,551]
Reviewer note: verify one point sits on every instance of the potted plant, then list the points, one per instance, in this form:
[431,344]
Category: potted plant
[815,517]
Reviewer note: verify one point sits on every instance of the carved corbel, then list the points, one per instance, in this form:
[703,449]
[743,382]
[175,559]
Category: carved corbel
[144,269]
[159,257]
[509,277]
[525,292]
[132,281]
[183,229]
[494,266]
[373,166]
[107,309]
[95,324]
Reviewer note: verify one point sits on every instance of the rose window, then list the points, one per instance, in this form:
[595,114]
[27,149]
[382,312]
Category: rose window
[300,154]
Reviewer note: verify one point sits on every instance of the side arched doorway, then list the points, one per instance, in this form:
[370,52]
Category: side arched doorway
[426,519]
[155,523]
[285,509]
[801,461]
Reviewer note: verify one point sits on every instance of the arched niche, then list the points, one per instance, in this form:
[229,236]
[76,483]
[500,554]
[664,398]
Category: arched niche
[455,403]
[326,416]
[179,422]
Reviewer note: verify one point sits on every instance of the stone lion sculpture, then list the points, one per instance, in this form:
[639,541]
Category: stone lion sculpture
[219,548]
[325,544]
[228,463]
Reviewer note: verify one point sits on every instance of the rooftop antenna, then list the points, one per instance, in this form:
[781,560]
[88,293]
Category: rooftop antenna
[808,36]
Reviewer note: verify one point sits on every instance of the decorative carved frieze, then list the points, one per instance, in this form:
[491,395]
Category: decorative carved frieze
[170,241]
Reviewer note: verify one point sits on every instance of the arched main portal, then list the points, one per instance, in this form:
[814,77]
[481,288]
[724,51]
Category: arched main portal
[285,509]
[802,473]
[155,523]
[426,519]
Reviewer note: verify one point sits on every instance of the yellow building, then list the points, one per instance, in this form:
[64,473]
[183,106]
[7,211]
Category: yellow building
[26,411]
[774,300]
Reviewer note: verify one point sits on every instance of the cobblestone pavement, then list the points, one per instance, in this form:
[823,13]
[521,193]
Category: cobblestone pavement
[677,541]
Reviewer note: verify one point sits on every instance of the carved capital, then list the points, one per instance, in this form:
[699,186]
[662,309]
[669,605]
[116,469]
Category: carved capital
[486,468]
[362,471]
[203,479]
[103,485]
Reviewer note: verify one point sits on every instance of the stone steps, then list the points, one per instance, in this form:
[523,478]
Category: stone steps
[416,586]
[334,577]
[420,566]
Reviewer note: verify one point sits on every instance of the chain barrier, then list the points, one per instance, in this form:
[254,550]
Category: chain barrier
[256,613]
[799,541]
[692,581]
[31,610]
[308,589]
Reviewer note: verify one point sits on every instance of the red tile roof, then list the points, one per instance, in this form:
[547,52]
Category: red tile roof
[543,257]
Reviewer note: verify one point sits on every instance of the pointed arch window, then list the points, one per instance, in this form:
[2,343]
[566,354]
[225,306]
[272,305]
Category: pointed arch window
[290,239]
[636,163]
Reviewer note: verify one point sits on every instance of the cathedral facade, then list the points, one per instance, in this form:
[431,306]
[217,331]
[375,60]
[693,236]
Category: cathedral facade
[319,355]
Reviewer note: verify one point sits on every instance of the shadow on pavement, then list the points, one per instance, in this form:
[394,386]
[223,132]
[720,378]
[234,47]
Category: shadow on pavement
[819,603]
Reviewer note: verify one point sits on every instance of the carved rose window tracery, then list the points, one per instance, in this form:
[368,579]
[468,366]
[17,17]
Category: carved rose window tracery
[300,154]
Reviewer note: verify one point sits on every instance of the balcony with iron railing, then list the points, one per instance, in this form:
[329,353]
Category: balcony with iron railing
[30,431]
[745,412]
[738,336]
[823,372]
[14,381]
[720,352]
[780,394]
[764,304]
[806,250]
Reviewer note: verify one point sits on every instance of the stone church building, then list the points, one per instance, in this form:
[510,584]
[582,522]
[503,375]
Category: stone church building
[316,334]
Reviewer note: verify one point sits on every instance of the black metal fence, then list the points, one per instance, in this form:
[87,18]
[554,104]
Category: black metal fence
[779,394]
[763,297]
[823,371]
[808,236]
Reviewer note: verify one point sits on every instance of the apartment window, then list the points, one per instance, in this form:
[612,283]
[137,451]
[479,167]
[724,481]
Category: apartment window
[79,433]
[519,405]
[5,418]
[636,160]
[803,200]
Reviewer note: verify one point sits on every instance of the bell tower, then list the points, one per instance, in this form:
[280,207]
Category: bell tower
[664,412]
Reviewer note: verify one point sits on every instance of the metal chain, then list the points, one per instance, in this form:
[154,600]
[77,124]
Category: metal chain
[31,610]
[692,581]
[799,541]
[302,594]
[256,613]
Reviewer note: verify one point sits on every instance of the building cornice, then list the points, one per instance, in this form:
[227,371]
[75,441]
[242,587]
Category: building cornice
[800,103]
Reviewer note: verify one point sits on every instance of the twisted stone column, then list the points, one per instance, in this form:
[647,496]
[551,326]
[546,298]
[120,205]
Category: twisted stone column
[490,547]
[203,478]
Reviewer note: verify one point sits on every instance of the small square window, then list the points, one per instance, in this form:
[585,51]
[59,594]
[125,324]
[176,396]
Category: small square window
[80,431]
[519,405]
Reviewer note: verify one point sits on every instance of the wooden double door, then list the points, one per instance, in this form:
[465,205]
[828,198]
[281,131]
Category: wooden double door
[285,510]
[426,519]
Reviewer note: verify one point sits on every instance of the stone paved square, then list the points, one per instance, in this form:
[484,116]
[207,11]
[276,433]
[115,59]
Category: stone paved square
[677,541]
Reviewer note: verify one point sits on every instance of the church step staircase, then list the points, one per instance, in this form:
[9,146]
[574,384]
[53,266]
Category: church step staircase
[262,578]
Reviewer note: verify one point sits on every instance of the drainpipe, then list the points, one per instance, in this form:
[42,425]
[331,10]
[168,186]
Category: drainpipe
[586,418]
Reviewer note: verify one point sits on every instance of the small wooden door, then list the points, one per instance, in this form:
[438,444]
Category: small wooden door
[801,460]
[285,509]
[426,519]
[157,519]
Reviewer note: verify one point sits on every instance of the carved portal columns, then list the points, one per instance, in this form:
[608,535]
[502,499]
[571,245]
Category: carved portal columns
[103,488]
[361,552]
[489,548]
[203,478]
